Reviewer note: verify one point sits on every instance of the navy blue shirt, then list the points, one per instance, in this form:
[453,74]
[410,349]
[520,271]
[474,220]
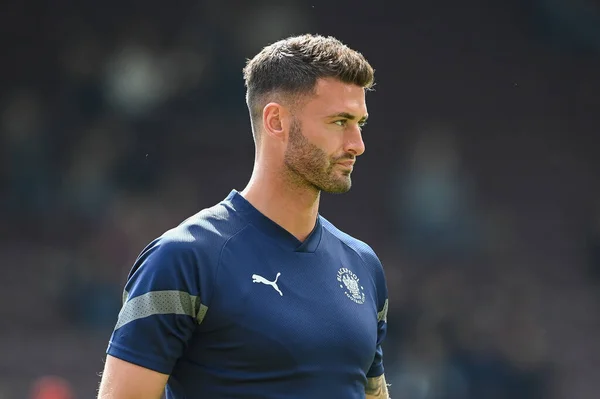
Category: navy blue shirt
[231,305]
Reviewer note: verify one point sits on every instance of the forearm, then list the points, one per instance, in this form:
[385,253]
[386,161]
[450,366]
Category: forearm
[377,388]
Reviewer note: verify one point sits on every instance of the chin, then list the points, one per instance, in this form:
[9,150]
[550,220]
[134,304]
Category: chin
[338,187]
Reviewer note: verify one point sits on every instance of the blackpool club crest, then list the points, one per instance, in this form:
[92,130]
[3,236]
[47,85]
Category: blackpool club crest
[350,283]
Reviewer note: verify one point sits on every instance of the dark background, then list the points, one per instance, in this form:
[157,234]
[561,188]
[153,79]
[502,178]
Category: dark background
[479,188]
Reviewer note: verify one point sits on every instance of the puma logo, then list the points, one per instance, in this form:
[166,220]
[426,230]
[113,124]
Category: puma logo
[260,279]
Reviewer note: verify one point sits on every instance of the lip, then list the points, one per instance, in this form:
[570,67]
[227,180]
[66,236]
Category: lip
[348,164]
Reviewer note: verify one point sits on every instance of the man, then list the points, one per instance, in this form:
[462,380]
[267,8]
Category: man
[260,296]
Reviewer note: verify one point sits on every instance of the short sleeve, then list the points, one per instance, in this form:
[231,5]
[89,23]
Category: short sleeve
[162,307]
[377,368]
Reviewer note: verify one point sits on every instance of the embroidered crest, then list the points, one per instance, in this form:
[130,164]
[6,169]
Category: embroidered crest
[350,283]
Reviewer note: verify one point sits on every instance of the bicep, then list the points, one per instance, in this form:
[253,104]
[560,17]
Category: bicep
[124,380]
[377,388]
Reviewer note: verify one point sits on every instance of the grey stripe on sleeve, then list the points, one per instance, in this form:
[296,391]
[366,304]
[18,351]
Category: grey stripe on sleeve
[382,316]
[161,302]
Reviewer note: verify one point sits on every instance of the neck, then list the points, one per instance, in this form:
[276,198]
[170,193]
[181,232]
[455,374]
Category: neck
[292,206]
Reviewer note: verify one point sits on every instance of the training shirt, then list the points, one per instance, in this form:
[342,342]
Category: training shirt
[231,305]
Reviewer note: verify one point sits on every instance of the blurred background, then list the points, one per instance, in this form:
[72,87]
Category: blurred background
[479,189]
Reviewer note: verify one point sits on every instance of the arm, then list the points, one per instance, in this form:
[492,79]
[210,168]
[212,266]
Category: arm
[124,380]
[160,313]
[377,388]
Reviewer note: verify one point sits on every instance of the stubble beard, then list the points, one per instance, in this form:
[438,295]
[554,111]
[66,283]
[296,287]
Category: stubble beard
[309,166]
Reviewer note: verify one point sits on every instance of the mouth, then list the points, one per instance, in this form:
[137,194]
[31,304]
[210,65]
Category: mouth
[348,164]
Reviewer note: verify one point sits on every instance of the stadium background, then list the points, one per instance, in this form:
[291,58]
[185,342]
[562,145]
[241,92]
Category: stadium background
[479,188]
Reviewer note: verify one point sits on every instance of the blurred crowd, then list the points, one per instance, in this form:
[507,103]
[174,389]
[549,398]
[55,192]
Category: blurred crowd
[479,188]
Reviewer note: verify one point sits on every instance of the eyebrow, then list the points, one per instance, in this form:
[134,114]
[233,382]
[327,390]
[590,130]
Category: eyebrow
[347,115]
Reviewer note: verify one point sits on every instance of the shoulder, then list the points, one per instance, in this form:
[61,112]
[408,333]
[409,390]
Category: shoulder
[207,230]
[194,244]
[361,248]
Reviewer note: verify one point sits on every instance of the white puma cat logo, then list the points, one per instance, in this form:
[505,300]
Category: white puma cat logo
[260,279]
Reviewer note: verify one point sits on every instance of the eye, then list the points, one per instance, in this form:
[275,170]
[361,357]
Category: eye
[344,123]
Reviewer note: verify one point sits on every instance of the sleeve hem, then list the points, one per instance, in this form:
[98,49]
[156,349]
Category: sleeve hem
[139,360]
[375,371]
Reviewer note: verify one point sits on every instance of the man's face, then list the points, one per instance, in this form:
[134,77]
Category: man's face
[325,136]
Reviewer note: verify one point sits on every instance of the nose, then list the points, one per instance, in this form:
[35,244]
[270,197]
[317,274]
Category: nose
[354,143]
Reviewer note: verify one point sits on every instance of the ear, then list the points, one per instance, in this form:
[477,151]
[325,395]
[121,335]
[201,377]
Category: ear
[274,120]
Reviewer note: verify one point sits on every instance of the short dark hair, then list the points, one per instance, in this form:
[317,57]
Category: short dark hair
[292,67]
